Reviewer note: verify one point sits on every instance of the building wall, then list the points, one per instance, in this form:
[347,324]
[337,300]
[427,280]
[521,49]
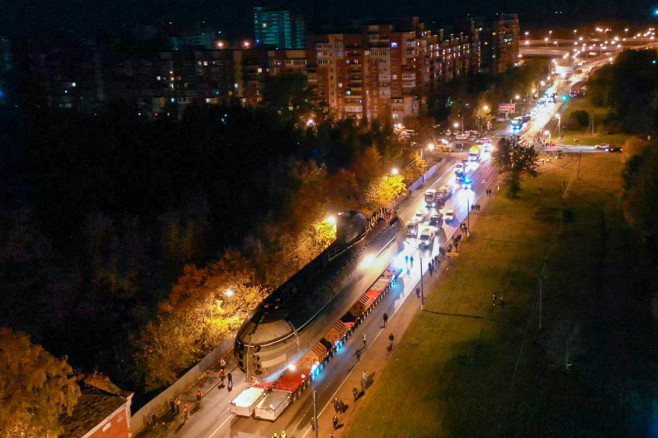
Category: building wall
[116,425]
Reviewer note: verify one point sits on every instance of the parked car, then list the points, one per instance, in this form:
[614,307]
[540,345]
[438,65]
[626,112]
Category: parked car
[603,146]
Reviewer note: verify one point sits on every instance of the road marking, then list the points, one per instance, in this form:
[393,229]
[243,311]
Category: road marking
[221,425]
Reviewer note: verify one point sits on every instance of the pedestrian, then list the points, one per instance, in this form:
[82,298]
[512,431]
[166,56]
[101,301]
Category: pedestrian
[284,434]
[276,435]
[172,405]
[431,269]
[313,423]
[335,422]
[391,338]
[502,302]
[358,355]
[364,339]
[355,393]
[406,259]
[418,292]
[494,299]
[466,230]
[186,411]
[230,379]
[222,376]
[222,363]
[385,319]
[336,405]
[165,428]
[341,406]
[177,405]
[411,259]
[152,420]
[199,394]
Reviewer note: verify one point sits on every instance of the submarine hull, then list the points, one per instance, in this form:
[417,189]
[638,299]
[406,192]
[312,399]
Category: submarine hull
[286,326]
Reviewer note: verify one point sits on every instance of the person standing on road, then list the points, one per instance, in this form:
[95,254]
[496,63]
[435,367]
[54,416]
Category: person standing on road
[222,363]
[222,376]
[186,410]
[177,405]
[199,394]
[385,319]
[172,405]
[364,339]
[502,302]
[358,355]
[355,393]
[391,338]
[165,428]
[494,299]
[336,405]
[418,292]
[229,386]
[335,422]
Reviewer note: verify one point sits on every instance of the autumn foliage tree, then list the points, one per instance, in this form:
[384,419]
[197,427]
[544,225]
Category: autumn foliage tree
[513,159]
[206,307]
[36,389]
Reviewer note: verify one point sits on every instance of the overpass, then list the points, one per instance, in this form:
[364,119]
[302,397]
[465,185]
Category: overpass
[551,52]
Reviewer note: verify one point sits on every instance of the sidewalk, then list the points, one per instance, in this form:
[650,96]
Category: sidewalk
[213,394]
[377,354]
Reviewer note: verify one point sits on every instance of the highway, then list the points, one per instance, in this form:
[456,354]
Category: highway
[213,420]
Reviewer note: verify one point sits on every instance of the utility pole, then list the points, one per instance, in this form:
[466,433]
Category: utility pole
[422,289]
[315,414]
[468,213]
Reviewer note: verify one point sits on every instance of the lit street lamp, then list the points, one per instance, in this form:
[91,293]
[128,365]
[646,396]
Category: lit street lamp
[559,120]
[394,171]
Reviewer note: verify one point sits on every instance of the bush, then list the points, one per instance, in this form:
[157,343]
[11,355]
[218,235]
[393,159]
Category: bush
[579,118]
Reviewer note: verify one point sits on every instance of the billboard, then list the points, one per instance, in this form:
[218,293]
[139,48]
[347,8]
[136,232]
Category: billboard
[507,108]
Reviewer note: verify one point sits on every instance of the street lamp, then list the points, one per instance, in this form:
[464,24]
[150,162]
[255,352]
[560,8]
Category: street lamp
[229,293]
[559,121]
[548,133]
[394,171]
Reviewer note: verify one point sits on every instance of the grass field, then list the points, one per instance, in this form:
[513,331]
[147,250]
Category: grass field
[465,368]
[583,136]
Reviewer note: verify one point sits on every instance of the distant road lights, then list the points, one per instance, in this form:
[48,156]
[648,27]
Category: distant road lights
[246,44]
[220,44]
[580,38]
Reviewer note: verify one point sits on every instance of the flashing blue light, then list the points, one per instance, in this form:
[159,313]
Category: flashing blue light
[173,99]
[655,12]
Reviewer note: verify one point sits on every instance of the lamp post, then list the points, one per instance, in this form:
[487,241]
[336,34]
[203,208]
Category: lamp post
[559,121]
[547,132]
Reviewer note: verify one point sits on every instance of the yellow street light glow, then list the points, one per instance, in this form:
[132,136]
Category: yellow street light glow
[394,171]
[456,125]
[486,107]
[229,293]
[517,97]
[331,220]
[430,146]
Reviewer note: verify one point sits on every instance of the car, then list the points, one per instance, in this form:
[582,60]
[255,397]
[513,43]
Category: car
[426,237]
[603,146]
[614,149]
[419,216]
[459,146]
[412,229]
[462,136]
[449,215]
[436,220]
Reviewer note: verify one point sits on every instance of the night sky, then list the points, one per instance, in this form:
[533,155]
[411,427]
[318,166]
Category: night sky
[234,17]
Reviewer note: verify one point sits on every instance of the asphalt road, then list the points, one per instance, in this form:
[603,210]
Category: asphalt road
[213,420]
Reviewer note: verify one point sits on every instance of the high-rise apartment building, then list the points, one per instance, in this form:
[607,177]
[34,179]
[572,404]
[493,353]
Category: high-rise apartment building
[499,41]
[279,28]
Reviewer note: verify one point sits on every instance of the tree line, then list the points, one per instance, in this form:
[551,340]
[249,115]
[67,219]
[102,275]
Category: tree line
[121,240]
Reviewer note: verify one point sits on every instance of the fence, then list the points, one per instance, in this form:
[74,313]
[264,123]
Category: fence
[160,403]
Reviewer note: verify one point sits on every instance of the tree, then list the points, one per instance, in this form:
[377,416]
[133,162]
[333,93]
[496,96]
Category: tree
[383,191]
[36,389]
[513,159]
[288,94]
[482,114]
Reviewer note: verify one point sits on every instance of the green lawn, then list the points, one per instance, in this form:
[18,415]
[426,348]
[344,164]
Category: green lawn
[583,136]
[467,369]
